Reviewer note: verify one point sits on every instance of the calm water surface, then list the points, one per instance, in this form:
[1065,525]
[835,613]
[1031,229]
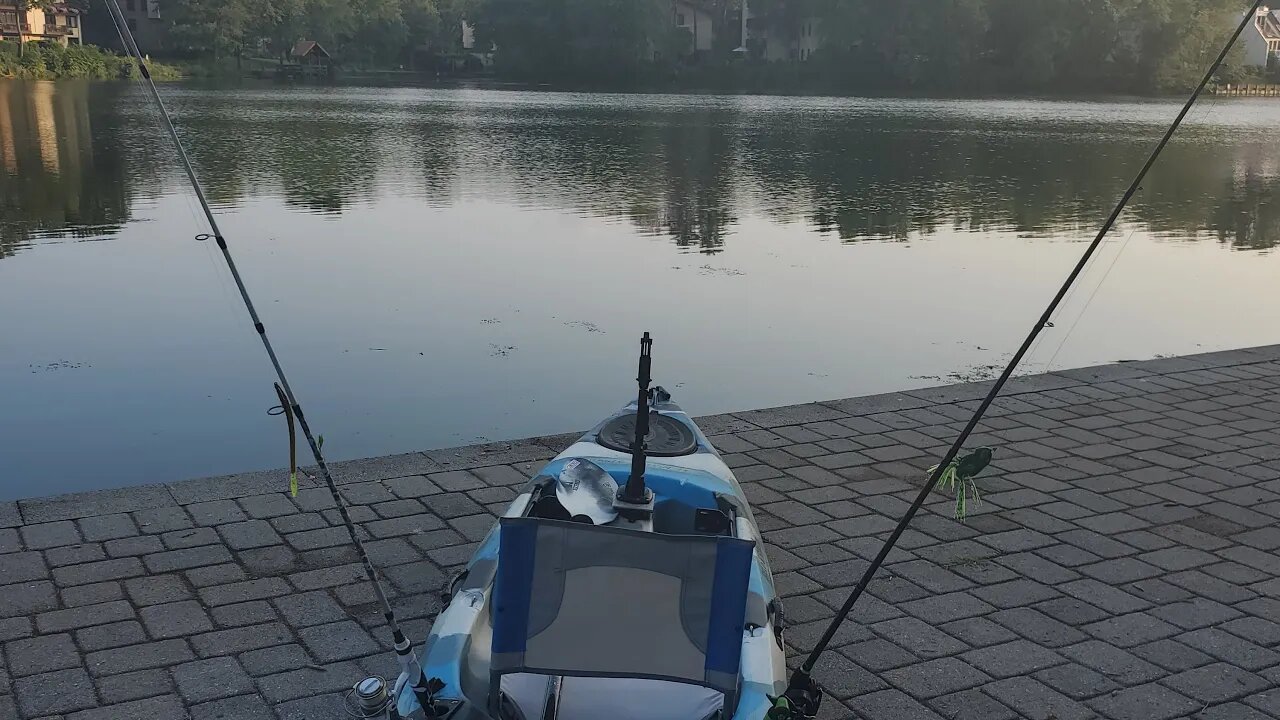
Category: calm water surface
[440,267]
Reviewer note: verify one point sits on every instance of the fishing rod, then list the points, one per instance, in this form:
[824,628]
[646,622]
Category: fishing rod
[802,692]
[411,669]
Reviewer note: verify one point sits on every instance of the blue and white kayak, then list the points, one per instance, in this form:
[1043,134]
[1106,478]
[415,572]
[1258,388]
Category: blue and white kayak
[581,604]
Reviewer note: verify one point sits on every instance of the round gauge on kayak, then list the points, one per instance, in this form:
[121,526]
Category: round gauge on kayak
[668,437]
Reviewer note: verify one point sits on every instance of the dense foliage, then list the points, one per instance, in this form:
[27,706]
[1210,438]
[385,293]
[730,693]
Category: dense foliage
[370,33]
[867,45]
[948,45]
[40,61]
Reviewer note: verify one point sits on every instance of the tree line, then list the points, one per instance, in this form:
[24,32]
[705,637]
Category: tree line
[865,45]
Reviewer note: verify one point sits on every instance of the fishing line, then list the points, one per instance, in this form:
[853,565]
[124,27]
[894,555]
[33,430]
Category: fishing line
[411,670]
[1199,115]
[1048,366]
[801,687]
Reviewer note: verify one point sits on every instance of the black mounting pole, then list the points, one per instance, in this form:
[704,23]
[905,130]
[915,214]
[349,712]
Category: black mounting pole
[802,679]
[635,492]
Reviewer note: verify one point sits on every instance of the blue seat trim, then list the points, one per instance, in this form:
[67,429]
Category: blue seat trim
[513,585]
[728,605]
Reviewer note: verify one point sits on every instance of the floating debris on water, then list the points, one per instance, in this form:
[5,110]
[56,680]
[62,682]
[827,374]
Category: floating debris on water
[588,326]
[491,321]
[58,365]
[501,350]
[728,272]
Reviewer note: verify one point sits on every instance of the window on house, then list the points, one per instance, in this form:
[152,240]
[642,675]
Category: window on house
[153,9]
[73,21]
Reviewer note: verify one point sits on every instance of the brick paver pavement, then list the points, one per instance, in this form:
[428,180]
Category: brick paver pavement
[1122,566]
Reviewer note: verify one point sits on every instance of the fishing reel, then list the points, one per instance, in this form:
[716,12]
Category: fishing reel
[370,698]
[801,701]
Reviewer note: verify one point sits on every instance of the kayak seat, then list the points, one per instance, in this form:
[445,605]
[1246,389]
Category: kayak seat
[586,601]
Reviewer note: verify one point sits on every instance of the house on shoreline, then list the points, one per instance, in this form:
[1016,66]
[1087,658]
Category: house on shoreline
[59,23]
[1262,38]
[695,18]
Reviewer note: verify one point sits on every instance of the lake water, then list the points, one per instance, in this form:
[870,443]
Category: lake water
[442,267]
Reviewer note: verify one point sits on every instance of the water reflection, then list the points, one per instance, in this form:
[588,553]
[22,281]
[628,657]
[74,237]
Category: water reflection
[77,157]
[59,179]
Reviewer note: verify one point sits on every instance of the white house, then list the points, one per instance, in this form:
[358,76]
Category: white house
[695,17]
[784,40]
[1262,38]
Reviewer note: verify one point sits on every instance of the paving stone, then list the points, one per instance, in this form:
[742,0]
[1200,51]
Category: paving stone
[117,634]
[1195,613]
[171,560]
[27,598]
[215,512]
[43,654]
[1113,662]
[308,682]
[1015,593]
[165,707]
[177,619]
[246,613]
[107,527]
[131,546]
[42,536]
[1033,699]
[14,628]
[238,640]
[1210,587]
[94,572]
[1216,683]
[269,661]
[848,680]
[1076,681]
[60,620]
[311,608]
[162,519]
[54,692]
[190,537]
[97,502]
[1103,596]
[137,685]
[1229,648]
[92,594]
[22,566]
[893,705]
[1038,627]
[1120,571]
[138,657]
[1012,658]
[74,554]
[877,655]
[249,534]
[211,679]
[243,707]
[936,677]
[1231,711]
[1172,655]
[156,589]
[243,591]
[341,640]
[1145,702]
[1130,630]
[945,608]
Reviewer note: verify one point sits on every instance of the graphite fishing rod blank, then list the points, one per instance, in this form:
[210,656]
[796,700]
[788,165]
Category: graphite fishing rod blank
[801,680]
[404,652]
